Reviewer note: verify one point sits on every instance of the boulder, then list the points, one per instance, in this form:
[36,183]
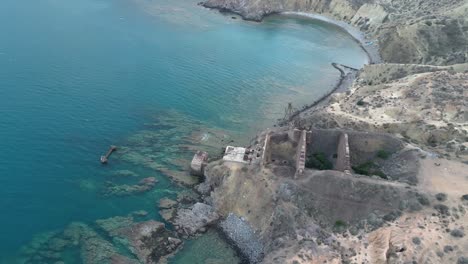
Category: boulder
[195,219]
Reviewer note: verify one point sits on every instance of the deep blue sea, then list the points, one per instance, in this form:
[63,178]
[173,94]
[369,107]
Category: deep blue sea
[155,77]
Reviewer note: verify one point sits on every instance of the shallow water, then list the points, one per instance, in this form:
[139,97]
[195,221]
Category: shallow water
[157,78]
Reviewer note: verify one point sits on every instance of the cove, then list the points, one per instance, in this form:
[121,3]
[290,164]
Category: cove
[158,78]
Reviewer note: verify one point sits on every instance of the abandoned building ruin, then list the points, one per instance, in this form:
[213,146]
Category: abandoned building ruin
[293,146]
[199,161]
[341,150]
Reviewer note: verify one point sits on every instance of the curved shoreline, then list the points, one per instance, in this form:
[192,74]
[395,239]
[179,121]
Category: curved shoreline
[372,51]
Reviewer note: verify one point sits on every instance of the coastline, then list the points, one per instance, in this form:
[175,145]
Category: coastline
[346,79]
[372,51]
[346,112]
[347,74]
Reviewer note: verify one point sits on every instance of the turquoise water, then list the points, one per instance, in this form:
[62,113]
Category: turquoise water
[155,77]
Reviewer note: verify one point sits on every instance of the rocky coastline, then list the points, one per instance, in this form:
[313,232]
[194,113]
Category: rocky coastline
[416,94]
[410,207]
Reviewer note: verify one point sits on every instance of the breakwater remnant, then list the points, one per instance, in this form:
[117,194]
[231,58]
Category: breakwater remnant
[105,158]
[244,237]
[347,75]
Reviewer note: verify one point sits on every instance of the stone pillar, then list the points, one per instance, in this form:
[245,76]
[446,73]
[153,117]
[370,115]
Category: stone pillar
[301,153]
[266,155]
[343,161]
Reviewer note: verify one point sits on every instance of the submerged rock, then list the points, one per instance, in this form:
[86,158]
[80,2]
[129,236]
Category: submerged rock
[96,250]
[149,241]
[111,225]
[112,189]
[119,259]
[124,173]
[167,203]
[168,214]
[140,213]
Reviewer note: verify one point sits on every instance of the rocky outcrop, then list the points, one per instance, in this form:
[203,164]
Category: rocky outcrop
[195,219]
[257,9]
[424,32]
[167,209]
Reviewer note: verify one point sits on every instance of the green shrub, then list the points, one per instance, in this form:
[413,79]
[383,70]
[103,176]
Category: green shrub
[340,223]
[383,154]
[369,168]
[361,102]
[318,161]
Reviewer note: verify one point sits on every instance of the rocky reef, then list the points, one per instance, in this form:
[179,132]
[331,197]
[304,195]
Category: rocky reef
[113,240]
[149,240]
[144,185]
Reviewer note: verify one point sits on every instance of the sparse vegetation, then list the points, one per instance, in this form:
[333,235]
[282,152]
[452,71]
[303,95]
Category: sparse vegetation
[416,240]
[383,154]
[442,197]
[340,223]
[369,168]
[318,161]
[361,102]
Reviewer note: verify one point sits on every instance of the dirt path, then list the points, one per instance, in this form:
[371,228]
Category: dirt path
[440,175]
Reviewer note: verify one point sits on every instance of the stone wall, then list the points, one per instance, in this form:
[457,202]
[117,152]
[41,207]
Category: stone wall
[343,162]
[301,153]
[365,146]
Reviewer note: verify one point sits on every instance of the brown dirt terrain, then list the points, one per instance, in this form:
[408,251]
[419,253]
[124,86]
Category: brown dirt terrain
[423,104]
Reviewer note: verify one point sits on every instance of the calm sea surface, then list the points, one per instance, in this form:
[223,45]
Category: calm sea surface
[155,77]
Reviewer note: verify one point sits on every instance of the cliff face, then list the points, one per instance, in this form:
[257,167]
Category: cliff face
[422,31]
[257,9]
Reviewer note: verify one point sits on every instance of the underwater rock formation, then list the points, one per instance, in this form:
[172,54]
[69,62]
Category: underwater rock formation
[149,241]
[112,189]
